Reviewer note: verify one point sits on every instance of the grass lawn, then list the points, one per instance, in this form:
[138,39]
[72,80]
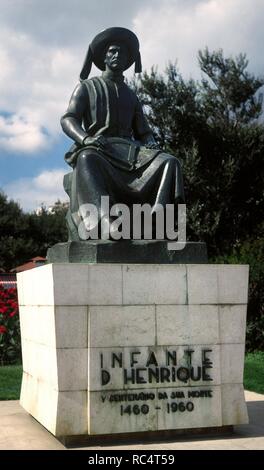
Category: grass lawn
[10,377]
[10,382]
[254,372]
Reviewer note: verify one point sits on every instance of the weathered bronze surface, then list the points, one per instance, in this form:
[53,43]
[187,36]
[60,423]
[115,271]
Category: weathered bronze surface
[127,251]
[114,152]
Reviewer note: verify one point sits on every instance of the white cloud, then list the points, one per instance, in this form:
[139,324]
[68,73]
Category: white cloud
[20,135]
[42,48]
[43,44]
[45,188]
[68,22]
[176,29]
[34,88]
[49,180]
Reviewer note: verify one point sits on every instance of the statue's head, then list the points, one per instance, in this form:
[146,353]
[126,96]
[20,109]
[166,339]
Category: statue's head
[109,44]
[116,57]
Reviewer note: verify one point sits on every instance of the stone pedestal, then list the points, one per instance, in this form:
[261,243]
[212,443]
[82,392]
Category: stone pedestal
[125,348]
[127,252]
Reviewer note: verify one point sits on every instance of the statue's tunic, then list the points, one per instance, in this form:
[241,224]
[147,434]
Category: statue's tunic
[103,106]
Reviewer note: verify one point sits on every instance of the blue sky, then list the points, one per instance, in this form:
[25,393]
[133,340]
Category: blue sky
[42,48]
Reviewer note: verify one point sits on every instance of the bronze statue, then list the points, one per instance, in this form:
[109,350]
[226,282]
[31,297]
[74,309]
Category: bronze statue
[114,153]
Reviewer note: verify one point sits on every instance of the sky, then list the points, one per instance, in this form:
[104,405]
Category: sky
[42,49]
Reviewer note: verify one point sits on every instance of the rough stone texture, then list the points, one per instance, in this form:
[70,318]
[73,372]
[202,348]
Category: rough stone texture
[121,326]
[84,325]
[232,319]
[205,413]
[126,251]
[18,431]
[62,413]
[234,408]
[187,324]
[154,284]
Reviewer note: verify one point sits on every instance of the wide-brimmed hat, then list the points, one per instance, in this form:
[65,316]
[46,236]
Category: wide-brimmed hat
[98,47]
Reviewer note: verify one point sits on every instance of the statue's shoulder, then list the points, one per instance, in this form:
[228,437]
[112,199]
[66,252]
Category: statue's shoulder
[91,82]
[91,85]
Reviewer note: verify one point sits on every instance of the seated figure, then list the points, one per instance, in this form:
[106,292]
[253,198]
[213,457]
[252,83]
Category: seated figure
[114,152]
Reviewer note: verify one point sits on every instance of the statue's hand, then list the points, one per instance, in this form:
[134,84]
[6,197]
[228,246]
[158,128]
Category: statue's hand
[152,145]
[98,141]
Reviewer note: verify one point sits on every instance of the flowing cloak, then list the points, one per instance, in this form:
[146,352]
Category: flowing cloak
[125,169]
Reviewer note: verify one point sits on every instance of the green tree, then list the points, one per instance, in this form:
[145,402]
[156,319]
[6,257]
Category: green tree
[172,106]
[14,245]
[213,127]
[48,226]
[229,91]
[25,235]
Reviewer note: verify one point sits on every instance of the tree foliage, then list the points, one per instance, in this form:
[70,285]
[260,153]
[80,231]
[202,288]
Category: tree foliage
[24,235]
[214,128]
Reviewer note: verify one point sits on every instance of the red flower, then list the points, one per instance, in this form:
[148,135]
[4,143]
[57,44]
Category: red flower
[12,314]
[4,310]
[2,329]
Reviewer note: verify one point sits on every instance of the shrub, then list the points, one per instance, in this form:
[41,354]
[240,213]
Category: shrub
[252,252]
[10,342]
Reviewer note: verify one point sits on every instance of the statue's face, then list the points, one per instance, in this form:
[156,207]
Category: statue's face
[116,58]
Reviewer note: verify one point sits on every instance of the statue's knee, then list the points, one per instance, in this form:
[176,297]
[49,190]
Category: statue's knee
[170,159]
[87,158]
[85,155]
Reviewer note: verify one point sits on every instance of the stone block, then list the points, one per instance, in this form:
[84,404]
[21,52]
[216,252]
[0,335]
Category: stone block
[234,409]
[105,359]
[70,284]
[187,413]
[40,400]
[61,413]
[72,369]
[89,284]
[233,284]
[166,335]
[20,289]
[40,362]
[62,369]
[35,286]
[208,358]
[72,413]
[232,363]
[115,326]
[71,327]
[105,285]
[154,284]
[110,412]
[61,327]
[187,324]
[37,324]
[217,284]
[202,284]
[111,417]
[232,320]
